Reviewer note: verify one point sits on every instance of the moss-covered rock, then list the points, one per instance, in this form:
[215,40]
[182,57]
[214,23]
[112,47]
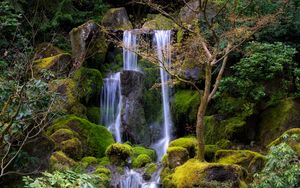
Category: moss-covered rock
[201,174]
[45,50]
[189,143]
[159,22]
[141,161]
[177,156]
[118,154]
[116,19]
[93,114]
[251,161]
[62,135]
[103,161]
[210,151]
[291,137]
[102,170]
[59,161]
[217,129]
[279,118]
[72,147]
[87,161]
[184,110]
[94,138]
[138,150]
[88,83]
[149,170]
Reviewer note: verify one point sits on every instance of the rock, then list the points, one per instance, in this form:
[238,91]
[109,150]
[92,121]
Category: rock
[62,135]
[210,151]
[189,14]
[72,148]
[150,169]
[57,66]
[189,143]
[184,109]
[94,138]
[45,50]
[118,154]
[291,137]
[133,120]
[138,150]
[141,161]
[201,174]
[277,119]
[116,19]
[93,114]
[253,162]
[87,161]
[59,161]
[177,156]
[87,40]
[159,22]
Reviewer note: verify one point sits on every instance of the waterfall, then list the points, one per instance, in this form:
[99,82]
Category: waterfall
[111,102]
[162,40]
[129,50]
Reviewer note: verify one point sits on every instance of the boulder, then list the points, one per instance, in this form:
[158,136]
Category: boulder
[138,150]
[59,161]
[72,147]
[133,120]
[116,19]
[141,161]
[45,50]
[291,137]
[118,154]
[189,14]
[278,118]
[201,174]
[189,143]
[94,138]
[158,22]
[177,156]
[87,40]
[253,162]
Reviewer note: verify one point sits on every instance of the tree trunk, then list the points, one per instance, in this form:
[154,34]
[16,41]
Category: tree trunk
[201,113]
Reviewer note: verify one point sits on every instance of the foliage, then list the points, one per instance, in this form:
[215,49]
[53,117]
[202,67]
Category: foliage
[282,169]
[63,179]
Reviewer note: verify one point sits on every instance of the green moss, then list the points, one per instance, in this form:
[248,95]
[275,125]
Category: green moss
[159,22]
[141,161]
[189,143]
[251,161]
[62,135]
[184,109]
[103,161]
[102,170]
[277,119]
[177,156]
[210,151]
[138,150]
[151,168]
[93,114]
[89,160]
[119,153]
[88,82]
[94,138]
[224,144]
[72,148]
[291,137]
[59,161]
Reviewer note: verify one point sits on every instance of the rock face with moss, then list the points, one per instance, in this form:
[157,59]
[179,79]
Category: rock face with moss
[158,22]
[201,174]
[59,161]
[87,40]
[119,154]
[279,118]
[79,137]
[291,137]
[133,119]
[116,19]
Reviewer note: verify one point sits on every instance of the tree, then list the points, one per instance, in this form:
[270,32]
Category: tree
[221,27]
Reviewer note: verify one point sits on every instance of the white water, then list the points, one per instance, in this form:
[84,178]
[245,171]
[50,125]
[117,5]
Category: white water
[163,42]
[129,50]
[111,102]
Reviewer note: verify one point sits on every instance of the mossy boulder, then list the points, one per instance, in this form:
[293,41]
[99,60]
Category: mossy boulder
[87,161]
[150,169]
[217,128]
[278,118]
[118,154]
[59,161]
[45,50]
[62,135]
[141,161]
[189,14]
[72,147]
[88,83]
[177,156]
[138,150]
[158,22]
[251,161]
[93,114]
[291,137]
[94,138]
[184,110]
[201,174]
[189,143]
[116,19]
[102,170]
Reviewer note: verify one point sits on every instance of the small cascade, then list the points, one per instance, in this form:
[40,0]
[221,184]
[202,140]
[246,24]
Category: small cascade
[162,39]
[131,179]
[129,50]
[111,102]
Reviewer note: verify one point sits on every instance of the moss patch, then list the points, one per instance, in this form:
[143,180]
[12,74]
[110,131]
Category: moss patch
[138,150]
[94,138]
[210,151]
[119,153]
[159,22]
[87,161]
[189,143]
[59,161]
[93,114]
[141,161]
[72,148]
[177,156]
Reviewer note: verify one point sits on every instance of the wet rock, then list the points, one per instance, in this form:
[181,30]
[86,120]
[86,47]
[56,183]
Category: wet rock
[177,156]
[87,40]
[116,19]
[133,120]
[119,154]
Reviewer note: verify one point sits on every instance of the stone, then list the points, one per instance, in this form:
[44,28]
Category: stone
[87,40]
[133,120]
[190,12]
[177,156]
[159,22]
[189,143]
[72,148]
[116,19]
[45,50]
[291,137]
[118,154]
[59,161]
[141,161]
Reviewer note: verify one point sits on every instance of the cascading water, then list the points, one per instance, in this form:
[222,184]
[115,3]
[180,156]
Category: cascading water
[129,50]
[162,40]
[111,104]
